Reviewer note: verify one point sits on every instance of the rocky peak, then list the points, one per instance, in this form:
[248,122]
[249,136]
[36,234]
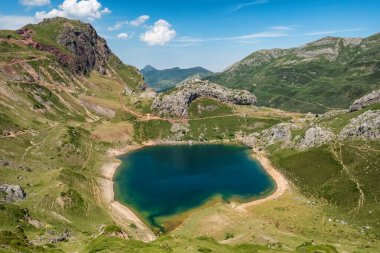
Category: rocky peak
[75,44]
[91,51]
[148,68]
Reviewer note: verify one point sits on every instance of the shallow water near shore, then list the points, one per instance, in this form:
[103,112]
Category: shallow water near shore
[165,181]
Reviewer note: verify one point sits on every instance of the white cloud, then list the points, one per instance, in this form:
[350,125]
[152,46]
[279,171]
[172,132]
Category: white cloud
[106,11]
[252,36]
[333,31]
[136,22]
[123,36]
[15,22]
[116,26]
[35,2]
[281,28]
[159,34]
[247,4]
[81,9]
[140,20]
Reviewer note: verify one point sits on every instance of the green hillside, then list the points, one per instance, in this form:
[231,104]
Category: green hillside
[319,76]
[61,115]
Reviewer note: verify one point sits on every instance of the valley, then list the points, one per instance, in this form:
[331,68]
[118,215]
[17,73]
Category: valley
[67,111]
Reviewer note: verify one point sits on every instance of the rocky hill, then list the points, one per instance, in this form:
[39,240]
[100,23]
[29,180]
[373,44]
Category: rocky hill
[168,78]
[306,78]
[176,103]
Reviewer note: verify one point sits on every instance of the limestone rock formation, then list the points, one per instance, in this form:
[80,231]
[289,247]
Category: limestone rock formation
[11,193]
[251,140]
[365,126]
[372,98]
[177,102]
[278,133]
[316,136]
[90,50]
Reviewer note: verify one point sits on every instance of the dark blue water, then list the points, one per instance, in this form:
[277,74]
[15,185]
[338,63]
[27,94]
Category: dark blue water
[162,181]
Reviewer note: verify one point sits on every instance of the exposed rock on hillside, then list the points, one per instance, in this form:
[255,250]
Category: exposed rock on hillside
[316,136]
[87,51]
[177,102]
[91,51]
[372,98]
[257,58]
[278,133]
[11,193]
[365,126]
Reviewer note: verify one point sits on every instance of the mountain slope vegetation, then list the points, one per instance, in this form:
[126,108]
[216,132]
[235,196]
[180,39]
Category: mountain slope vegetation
[64,106]
[320,76]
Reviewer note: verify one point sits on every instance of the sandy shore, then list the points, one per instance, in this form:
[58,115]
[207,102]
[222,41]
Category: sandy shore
[122,214]
[281,183]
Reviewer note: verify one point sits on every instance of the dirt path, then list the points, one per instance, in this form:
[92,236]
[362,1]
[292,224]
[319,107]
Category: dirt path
[282,184]
[338,155]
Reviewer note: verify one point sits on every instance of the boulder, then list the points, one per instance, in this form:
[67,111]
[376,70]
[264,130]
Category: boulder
[12,193]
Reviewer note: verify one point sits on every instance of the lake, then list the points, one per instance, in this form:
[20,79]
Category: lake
[161,182]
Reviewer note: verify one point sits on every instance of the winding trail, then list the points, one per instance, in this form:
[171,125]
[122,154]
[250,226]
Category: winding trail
[352,178]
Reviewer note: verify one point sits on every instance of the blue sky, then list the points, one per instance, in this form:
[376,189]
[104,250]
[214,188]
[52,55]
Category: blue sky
[208,33]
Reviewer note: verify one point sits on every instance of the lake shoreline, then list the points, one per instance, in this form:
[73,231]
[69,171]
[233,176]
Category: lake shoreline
[281,183]
[123,214]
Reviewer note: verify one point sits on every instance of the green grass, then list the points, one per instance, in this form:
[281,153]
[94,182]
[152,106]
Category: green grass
[9,34]
[319,173]
[128,74]
[225,127]
[151,130]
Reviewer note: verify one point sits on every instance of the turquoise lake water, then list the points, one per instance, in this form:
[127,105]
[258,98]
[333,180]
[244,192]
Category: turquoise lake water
[162,181]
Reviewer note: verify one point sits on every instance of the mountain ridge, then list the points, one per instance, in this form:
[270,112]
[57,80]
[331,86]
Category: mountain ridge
[303,78]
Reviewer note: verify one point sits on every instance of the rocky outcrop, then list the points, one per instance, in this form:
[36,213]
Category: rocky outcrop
[90,50]
[179,130]
[365,126]
[85,49]
[176,103]
[251,140]
[280,133]
[372,98]
[11,193]
[316,136]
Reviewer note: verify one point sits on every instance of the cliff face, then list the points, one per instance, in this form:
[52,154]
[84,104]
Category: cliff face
[75,44]
[90,50]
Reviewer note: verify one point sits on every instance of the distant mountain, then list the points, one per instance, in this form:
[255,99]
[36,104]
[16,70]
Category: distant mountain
[167,78]
[322,75]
